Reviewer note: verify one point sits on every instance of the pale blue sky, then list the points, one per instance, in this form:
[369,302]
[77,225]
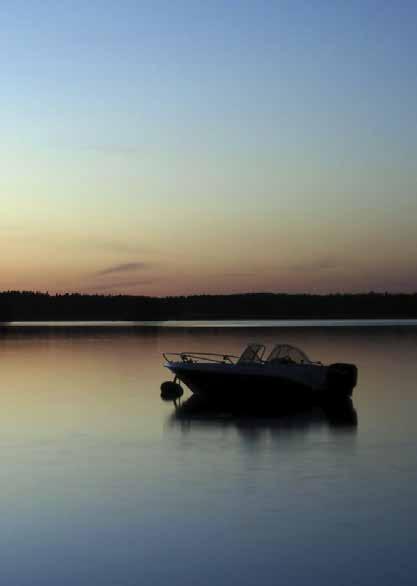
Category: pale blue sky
[214,146]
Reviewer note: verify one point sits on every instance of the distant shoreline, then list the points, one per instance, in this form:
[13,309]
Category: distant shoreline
[214,324]
[28,306]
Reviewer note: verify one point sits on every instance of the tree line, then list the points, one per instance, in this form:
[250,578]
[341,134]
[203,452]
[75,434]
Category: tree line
[33,306]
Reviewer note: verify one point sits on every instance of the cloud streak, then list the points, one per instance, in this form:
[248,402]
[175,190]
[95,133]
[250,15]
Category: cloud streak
[121,285]
[124,268]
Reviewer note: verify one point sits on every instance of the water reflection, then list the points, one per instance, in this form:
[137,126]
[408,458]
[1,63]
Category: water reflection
[197,411]
[103,483]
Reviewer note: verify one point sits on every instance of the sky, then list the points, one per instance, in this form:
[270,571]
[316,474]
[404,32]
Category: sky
[180,147]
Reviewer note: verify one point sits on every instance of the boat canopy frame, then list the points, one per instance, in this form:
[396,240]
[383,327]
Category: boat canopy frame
[288,354]
[252,354]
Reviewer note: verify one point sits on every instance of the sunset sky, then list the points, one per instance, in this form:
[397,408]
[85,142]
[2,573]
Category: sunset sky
[177,147]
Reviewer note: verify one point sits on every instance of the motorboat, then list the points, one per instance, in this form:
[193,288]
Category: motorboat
[286,375]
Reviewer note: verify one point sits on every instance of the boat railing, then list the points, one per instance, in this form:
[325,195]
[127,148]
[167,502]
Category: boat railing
[196,357]
[214,358]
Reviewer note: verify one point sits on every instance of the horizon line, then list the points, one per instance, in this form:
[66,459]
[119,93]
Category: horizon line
[236,294]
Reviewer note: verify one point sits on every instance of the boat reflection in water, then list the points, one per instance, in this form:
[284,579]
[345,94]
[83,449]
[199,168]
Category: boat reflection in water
[198,410]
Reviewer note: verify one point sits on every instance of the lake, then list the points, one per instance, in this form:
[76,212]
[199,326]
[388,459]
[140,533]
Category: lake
[102,483]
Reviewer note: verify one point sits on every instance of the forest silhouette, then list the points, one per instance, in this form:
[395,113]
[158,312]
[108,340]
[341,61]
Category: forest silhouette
[33,306]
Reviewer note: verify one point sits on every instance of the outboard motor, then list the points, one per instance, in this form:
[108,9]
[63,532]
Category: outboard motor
[342,377]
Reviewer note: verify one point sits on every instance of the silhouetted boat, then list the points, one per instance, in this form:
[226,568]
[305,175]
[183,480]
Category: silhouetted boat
[287,375]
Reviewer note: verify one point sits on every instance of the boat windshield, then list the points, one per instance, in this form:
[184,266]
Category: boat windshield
[253,353]
[286,354]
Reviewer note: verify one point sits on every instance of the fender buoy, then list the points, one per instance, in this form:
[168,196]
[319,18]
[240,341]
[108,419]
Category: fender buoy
[171,391]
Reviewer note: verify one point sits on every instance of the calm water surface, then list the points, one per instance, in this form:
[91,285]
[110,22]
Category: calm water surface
[102,484]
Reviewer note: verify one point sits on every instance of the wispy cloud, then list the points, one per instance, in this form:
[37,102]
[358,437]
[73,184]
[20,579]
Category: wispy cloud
[120,285]
[124,268]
